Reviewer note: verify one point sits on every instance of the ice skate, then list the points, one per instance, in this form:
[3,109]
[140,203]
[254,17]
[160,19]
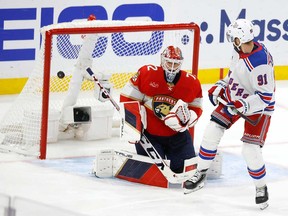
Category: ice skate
[196,182]
[262,197]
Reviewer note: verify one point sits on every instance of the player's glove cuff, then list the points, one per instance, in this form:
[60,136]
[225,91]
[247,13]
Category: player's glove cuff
[237,106]
[241,105]
[217,90]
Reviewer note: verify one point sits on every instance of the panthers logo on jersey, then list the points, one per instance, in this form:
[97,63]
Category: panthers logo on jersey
[162,105]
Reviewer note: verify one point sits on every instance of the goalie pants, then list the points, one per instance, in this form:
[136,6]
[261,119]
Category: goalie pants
[176,148]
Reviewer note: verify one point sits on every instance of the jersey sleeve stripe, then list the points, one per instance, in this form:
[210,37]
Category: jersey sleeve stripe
[248,64]
[265,97]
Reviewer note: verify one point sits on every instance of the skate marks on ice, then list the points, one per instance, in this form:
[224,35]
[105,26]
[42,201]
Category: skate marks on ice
[233,192]
[234,171]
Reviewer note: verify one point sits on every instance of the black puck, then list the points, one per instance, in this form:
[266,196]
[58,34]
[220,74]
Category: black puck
[61,74]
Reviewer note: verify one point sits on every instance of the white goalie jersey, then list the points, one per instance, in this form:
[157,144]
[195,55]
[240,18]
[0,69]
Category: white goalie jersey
[251,78]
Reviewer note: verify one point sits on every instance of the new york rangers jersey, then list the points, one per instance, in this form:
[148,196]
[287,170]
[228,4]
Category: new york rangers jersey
[251,78]
[149,87]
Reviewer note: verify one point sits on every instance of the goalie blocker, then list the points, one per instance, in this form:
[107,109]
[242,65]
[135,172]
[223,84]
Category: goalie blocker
[133,121]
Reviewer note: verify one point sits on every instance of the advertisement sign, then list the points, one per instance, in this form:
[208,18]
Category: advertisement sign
[20,24]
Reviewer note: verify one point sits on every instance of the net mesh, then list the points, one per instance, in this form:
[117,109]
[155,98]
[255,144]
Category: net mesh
[113,56]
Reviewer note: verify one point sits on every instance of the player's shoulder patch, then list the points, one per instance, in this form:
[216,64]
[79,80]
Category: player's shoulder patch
[135,77]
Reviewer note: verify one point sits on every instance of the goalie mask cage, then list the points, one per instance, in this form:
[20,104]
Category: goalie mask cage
[113,49]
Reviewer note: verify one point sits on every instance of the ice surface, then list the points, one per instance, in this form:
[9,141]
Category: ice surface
[65,181]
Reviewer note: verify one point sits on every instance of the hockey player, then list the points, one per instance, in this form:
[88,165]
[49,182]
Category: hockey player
[172,99]
[248,89]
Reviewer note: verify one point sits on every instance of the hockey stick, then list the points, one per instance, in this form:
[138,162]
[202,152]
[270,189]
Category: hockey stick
[250,121]
[161,164]
[148,147]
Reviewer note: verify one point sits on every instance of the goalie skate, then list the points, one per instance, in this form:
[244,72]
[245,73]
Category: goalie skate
[196,182]
[262,197]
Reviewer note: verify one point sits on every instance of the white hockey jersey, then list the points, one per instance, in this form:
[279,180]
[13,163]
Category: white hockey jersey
[251,78]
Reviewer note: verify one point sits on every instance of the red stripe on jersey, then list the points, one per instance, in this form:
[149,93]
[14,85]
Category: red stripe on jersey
[248,63]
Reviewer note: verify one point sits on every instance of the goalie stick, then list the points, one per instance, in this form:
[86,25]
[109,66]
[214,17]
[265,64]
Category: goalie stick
[252,122]
[147,145]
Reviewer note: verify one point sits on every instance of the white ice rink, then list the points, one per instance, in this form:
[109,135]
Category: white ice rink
[64,180]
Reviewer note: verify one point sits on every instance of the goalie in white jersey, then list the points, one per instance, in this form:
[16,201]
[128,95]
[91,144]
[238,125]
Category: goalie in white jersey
[248,91]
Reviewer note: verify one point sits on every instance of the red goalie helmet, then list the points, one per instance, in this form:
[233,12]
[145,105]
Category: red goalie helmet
[171,61]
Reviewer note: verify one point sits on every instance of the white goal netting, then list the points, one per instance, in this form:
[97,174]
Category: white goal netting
[113,49]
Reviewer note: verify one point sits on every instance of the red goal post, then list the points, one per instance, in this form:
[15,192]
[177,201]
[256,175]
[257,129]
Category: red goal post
[102,28]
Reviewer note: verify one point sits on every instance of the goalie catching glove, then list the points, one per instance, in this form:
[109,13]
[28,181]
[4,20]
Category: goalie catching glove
[180,118]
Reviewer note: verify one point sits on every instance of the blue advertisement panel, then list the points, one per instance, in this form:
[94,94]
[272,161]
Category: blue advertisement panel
[20,25]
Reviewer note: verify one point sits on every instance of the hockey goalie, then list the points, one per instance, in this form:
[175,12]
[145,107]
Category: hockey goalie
[159,105]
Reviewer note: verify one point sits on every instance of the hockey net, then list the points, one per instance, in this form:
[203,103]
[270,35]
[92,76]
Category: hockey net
[113,49]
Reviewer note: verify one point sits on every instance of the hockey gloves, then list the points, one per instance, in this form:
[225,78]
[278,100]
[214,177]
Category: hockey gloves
[233,107]
[133,121]
[180,118]
[216,91]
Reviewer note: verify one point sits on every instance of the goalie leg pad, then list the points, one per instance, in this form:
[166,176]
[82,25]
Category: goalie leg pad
[143,173]
[103,164]
[136,168]
[128,166]
[190,165]
[215,170]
